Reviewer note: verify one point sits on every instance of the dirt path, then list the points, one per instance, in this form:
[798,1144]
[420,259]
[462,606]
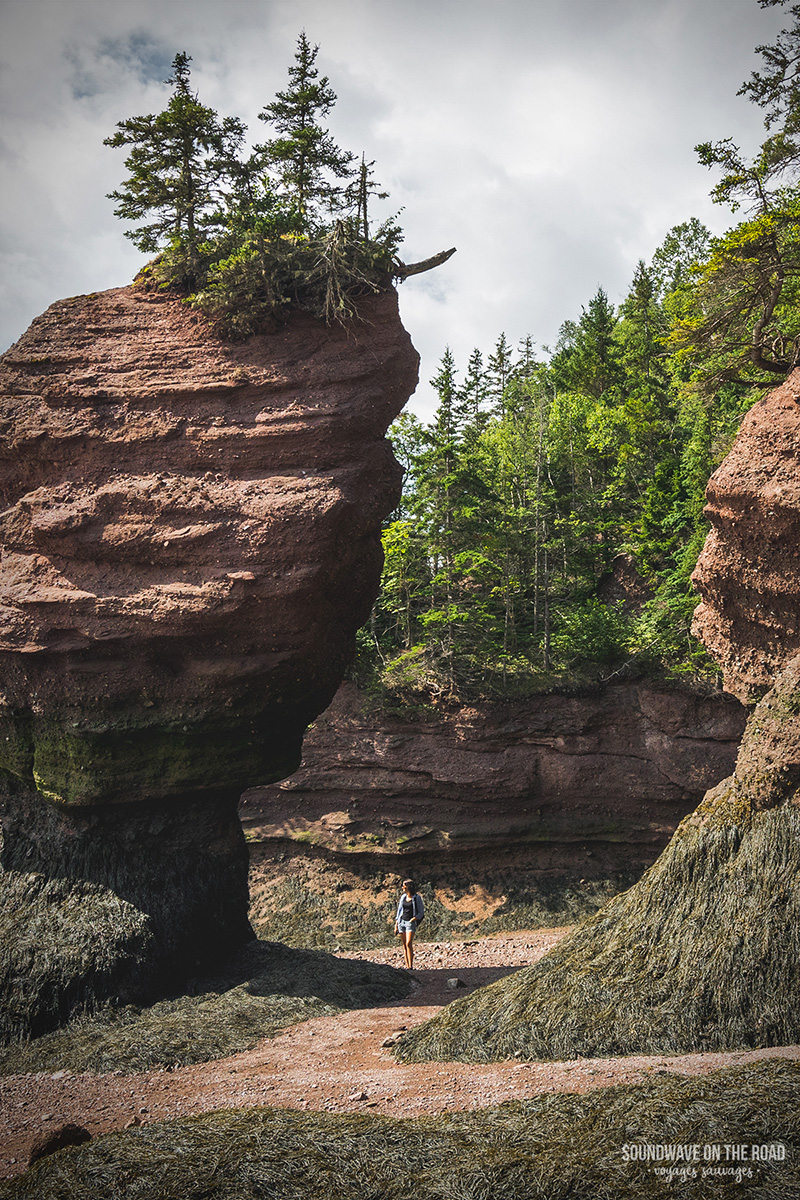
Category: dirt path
[337,1064]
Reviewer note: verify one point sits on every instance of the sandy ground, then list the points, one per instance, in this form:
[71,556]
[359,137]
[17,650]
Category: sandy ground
[337,1064]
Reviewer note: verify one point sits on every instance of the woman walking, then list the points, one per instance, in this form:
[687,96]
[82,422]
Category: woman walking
[410,911]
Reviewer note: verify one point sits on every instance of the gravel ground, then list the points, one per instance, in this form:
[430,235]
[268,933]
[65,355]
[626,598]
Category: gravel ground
[337,1064]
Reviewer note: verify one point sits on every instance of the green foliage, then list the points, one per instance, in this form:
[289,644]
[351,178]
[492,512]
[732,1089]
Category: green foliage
[591,633]
[742,319]
[263,280]
[304,159]
[513,516]
[533,477]
[180,167]
[251,239]
[684,245]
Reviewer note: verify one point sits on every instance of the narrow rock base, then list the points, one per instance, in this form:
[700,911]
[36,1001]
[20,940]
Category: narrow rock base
[120,903]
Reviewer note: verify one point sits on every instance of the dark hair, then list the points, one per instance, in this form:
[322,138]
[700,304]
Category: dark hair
[410,886]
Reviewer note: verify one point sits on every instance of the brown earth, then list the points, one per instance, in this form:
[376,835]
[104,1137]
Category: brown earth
[338,1064]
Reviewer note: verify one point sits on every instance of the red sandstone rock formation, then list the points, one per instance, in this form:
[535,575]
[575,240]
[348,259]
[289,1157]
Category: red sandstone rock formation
[191,537]
[621,766]
[749,571]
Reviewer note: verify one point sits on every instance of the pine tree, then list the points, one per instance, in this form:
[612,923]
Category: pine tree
[182,163]
[593,366]
[471,398]
[498,374]
[746,300]
[308,166]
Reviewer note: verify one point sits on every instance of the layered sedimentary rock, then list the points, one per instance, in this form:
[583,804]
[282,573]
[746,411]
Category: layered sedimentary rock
[704,951]
[191,536]
[620,765]
[749,572]
[495,808]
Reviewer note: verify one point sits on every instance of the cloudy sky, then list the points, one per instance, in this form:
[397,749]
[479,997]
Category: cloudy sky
[550,141]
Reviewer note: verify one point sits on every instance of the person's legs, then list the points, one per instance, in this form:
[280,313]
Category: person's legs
[410,950]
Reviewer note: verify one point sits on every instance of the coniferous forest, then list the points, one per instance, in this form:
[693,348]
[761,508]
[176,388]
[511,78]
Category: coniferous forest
[553,508]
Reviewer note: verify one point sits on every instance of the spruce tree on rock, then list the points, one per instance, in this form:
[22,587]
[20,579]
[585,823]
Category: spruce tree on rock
[181,163]
[309,168]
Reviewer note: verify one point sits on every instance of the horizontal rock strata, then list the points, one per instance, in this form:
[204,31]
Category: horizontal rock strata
[622,765]
[191,537]
[749,572]
[507,814]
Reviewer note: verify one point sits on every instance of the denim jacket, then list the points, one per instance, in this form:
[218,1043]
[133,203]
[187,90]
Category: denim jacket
[417,908]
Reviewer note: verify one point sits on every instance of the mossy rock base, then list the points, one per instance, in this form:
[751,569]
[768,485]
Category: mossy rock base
[91,758]
[553,1147]
[115,903]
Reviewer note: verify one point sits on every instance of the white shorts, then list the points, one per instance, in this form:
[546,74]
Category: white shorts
[408,926]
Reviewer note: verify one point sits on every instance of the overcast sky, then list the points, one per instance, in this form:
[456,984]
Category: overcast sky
[550,141]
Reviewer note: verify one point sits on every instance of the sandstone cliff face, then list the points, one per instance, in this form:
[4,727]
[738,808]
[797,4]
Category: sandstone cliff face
[749,572]
[190,539]
[191,536]
[508,815]
[621,766]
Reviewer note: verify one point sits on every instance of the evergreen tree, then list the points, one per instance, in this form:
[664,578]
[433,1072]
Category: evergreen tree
[309,168]
[776,89]
[648,455]
[498,374]
[471,398]
[593,364]
[747,298]
[182,163]
[356,196]
[439,498]
[684,247]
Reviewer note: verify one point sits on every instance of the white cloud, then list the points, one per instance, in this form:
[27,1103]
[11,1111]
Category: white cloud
[551,142]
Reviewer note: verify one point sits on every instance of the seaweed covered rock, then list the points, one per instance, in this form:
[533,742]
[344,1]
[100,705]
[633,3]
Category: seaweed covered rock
[704,951]
[191,537]
[554,1146]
